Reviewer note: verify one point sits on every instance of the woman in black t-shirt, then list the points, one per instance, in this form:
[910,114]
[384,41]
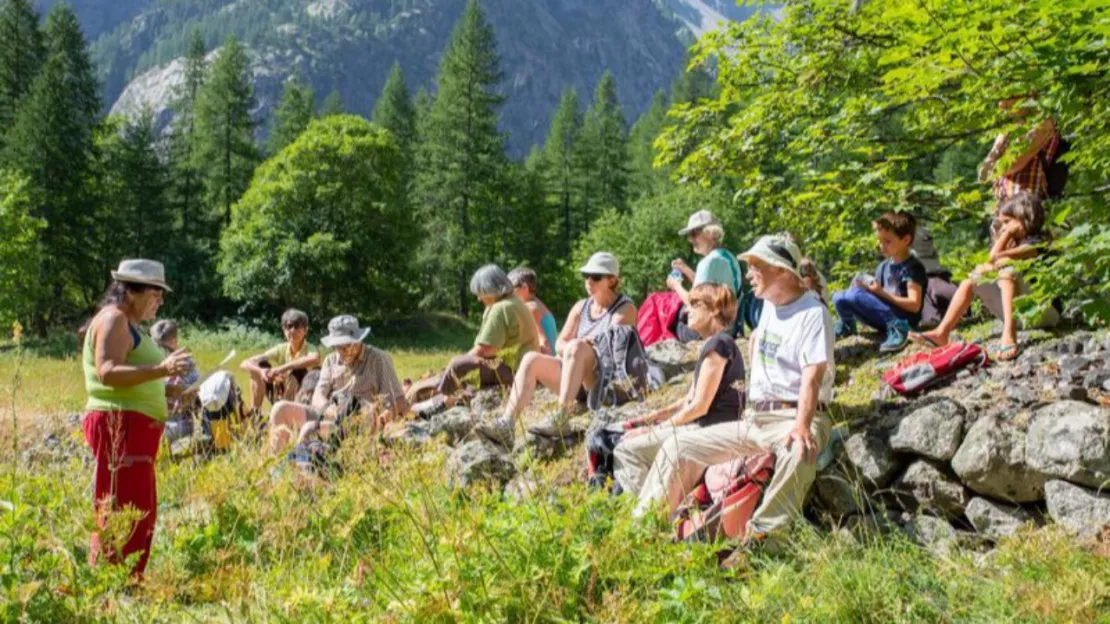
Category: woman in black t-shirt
[716,395]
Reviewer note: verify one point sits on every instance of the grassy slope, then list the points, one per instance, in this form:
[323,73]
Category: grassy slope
[239,538]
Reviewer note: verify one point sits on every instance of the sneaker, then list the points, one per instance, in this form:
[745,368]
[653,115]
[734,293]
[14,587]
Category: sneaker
[897,335]
[554,426]
[842,330]
[499,431]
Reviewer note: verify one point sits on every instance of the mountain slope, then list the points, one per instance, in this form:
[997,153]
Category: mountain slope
[349,46]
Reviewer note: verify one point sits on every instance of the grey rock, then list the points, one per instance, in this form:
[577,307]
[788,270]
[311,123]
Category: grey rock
[931,431]
[547,447]
[838,494]
[414,433]
[1073,366]
[935,534]
[1096,378]
[1071,347]
[456,423]
[476,461]
[1021,394]
[522,488]
[869,453]
[996,520]
[673,357]
[1018,371]
[925,486]
[872,525]
[1071,440]
[1082,511]
[1068,391]
[992,461]
[487,403]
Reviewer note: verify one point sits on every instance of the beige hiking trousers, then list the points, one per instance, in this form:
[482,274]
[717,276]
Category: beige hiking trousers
[667,463]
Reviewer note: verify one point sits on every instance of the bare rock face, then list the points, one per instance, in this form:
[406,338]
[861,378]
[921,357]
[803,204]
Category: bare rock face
[996,520]
[1082,511]
[992,461]
[1071,440]
[932,431]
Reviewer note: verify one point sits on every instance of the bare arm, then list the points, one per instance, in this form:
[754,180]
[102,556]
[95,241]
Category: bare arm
[910,303]
[570,328]
[807,406]
[251,364]
[626,315]
[308,361]
[709,379]
[537,317]
[483,351]
[112,345]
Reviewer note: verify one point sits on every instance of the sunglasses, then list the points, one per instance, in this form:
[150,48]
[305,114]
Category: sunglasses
[290,326]
[594,277]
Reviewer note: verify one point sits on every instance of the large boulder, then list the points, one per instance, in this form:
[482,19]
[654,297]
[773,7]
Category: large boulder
[992,461]
[996,520]
[673,357]
[1078,509]
[838,494]
[456,423]
[476,461]
[926,487]
[1071,440]
[932,431]
[870,455]
[935,534]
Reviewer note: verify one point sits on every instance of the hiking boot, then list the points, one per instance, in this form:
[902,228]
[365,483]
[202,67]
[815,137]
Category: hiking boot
[843,330]
[897,335]
[554,426]
[499,431]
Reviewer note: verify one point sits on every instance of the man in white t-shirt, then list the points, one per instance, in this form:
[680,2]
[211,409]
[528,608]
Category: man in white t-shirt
[791,380]
[792,370]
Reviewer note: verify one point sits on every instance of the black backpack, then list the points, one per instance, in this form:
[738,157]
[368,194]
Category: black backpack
[1056,172]
[623,369]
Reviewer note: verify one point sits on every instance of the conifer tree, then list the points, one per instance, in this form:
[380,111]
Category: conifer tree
[133,183]
[21,55]
[602,152]
[558,165]
[51,141]
[293,114]
[644,178]
[332,105]
[225,153]
[394,110]
[463,156]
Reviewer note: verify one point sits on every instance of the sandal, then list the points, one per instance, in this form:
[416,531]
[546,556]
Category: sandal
[1006,353]
[921,338]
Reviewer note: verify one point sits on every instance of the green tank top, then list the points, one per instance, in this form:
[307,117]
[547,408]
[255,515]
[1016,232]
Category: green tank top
[147,398]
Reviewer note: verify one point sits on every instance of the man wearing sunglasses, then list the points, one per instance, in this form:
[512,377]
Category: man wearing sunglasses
[278,371]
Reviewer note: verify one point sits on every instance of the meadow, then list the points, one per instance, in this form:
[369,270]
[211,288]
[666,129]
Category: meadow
[241,538]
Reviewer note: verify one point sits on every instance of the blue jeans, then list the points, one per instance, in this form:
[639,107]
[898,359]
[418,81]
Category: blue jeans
[859,304]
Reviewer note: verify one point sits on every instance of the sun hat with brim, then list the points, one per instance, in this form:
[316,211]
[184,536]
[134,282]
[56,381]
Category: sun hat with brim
[602,263]
[147,272]
[776,251]
[344,330]
[697,221]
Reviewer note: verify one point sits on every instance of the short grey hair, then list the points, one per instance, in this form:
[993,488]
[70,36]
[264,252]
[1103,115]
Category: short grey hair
[490,281]
[714,232]
[163,331]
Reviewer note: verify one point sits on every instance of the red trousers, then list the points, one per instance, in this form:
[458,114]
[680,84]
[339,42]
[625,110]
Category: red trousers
[125,445]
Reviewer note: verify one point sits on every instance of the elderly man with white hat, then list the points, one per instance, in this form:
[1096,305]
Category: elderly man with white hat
[364,371]
[717,265]
[791,382]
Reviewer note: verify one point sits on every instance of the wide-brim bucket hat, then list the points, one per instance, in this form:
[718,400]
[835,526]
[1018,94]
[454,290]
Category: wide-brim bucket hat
[140,271]
[602,263]
[776,251]
[344,330]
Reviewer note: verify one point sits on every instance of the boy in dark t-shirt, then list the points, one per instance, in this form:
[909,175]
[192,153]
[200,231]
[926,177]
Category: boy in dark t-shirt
[892,299]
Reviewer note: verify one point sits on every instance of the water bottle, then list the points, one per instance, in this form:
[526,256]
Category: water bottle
[675,273]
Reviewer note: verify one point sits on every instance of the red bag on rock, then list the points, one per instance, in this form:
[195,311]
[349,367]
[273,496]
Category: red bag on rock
[929,368]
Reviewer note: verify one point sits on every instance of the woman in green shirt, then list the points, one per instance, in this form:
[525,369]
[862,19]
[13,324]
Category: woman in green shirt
[126,410]
[508,332]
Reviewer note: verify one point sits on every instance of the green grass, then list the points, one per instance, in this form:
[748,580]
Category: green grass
[241,538]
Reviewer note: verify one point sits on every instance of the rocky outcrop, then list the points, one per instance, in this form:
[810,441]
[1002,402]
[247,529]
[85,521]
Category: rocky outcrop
[933,431]
[1082,511]
[991,461]
[1071,440]
[996,520]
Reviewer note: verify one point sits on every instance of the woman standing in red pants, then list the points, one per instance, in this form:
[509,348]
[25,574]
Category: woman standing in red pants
[126,410]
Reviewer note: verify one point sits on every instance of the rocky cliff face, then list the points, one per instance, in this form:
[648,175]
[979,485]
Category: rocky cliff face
[349,46]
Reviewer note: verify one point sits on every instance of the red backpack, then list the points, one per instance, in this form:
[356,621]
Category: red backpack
[723,504]
[657,316]
[929,368]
